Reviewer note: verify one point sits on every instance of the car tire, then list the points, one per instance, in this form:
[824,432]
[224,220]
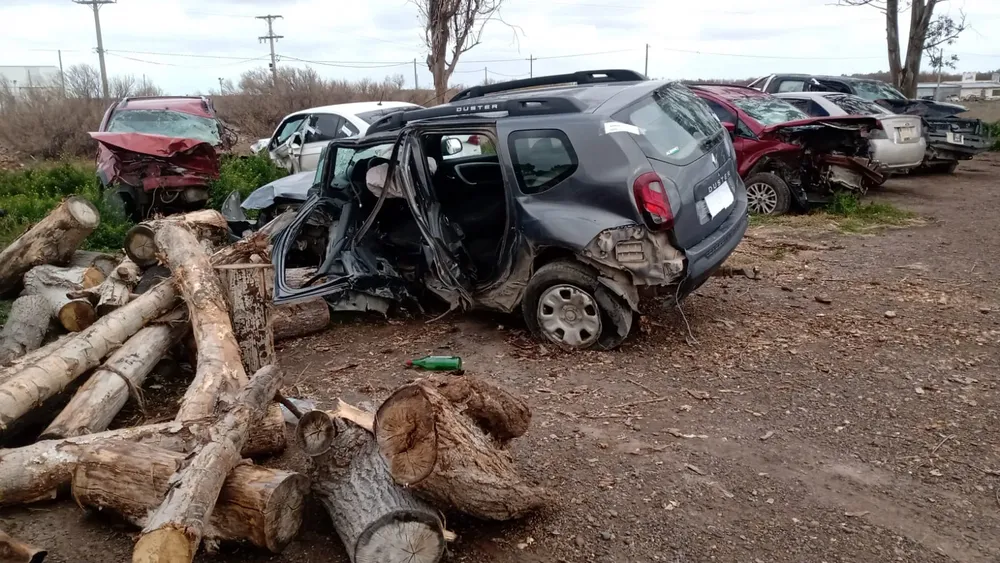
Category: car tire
[565,304]
[767,194]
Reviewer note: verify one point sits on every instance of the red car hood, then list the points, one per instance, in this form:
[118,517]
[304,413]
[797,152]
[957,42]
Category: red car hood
[844,122]
[155,161]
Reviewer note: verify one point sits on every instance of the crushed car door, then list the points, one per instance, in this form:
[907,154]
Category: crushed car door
[281,144]
[446,255]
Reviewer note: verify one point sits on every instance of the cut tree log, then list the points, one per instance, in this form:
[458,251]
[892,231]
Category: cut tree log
[117,288]
[174,530]
[219,373]
[377,520]
[15,551]
[55,283]
[263,506]
[18,364]
[97,401]
[50,374]
[50,241]
[499,413]
[27,324]
[250,311]
[89,259]
[39,471]
[294,320]
[209,226]
[448,459]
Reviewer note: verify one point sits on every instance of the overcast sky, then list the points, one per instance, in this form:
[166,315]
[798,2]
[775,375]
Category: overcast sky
[375,38]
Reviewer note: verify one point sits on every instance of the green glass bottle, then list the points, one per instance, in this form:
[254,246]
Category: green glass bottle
[436,363]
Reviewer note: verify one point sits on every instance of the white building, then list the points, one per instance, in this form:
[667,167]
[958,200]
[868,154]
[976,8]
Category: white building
[20,78]
[969,88]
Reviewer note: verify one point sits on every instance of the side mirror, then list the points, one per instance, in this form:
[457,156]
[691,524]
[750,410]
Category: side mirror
[451,145]
[731,127]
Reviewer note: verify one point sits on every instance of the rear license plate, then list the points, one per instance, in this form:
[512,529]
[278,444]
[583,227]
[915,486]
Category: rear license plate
[719,199]
[955,138]
[907,133]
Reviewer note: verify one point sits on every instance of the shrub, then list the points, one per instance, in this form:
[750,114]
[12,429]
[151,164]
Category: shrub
[994,131]
[242,174]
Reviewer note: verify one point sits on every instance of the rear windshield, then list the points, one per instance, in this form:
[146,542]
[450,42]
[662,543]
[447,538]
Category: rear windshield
[675,125]
[768,110]
[875,90]
[370,117]
[167,123]
[854,105]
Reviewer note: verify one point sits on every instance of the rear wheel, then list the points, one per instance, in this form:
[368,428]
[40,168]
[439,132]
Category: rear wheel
[768,194]
[565,304]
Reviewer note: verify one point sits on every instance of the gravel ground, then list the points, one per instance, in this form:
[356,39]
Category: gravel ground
[842,407]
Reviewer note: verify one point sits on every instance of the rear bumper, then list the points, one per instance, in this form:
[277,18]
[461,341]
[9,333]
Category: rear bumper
[893,156]
[706,257]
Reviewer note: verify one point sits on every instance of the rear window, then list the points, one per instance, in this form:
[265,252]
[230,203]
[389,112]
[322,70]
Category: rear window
[768,110]
[370,117]
[854,105]
[542,159]
[675,125]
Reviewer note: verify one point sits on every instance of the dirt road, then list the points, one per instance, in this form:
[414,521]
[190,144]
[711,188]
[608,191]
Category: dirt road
[841,408]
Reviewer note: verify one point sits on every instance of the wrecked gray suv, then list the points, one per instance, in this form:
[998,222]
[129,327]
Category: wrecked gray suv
[590,189]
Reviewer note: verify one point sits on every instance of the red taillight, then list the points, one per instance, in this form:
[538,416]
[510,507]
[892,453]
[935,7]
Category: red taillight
[473,140]
[651,197]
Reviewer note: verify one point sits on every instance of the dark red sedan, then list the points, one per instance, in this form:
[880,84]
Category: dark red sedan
[787,158]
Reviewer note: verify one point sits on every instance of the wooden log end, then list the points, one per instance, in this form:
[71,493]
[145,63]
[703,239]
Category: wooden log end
[140,246]
[284,511]
[315,432]
[167,544]
[92,277]
[15,551]
[401,536]
[406,433]
[84,212]
[77,315]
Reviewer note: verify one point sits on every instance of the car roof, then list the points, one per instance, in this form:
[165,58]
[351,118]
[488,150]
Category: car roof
[730,91]
[353,108]
[588,97]
[195,105]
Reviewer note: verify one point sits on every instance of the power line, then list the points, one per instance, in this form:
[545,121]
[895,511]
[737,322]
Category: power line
[161,63]
[778,57]
[348,64]
[192,55]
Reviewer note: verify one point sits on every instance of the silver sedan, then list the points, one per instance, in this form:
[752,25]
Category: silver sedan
[898,147]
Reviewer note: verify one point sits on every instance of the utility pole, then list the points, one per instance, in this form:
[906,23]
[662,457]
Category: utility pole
[531,66]
[62,76]
[271,37]
[96,5]
[486,76]
[646,72]
[220,86]
[416,83]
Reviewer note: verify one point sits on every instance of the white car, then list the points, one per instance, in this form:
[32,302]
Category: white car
[300,137]
[898,147]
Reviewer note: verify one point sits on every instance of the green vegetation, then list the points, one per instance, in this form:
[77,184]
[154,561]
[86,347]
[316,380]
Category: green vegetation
[852,216]
[243,174]
[28,195]
[994,131]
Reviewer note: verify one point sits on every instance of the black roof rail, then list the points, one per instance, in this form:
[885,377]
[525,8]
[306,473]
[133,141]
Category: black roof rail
[579,77]
[542,105]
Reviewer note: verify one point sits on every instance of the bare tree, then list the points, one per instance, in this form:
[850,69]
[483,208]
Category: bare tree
[451,28]
[926,33]
[83,81]
[122,86]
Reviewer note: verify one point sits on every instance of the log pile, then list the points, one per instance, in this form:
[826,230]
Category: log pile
[85,334]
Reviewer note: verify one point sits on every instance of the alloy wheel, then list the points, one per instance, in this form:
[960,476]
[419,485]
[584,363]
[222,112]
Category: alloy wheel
[762,198]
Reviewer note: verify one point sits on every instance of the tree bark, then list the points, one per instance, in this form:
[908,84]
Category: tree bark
[294,320]
[38,472]
[220,372]
[892,40]
[89,259]
[55,283]
[50,241]
[250,312]
[117,288]
[51,374]
[263,506]
[97,401]
[27,324]
[15,551]
[208,225]
[377,520]
[15,366]
[174,530]
[497,412]
[448,459]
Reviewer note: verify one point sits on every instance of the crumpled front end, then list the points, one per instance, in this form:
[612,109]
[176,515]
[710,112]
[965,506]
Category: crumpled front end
[153,162]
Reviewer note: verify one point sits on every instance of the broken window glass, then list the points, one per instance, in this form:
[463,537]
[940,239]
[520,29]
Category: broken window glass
[875,90]
[854,105]
[768,110]
[674,124]
[542,159]
[167,123]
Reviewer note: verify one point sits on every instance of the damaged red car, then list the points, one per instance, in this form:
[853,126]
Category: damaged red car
[786,158]
[160,153]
